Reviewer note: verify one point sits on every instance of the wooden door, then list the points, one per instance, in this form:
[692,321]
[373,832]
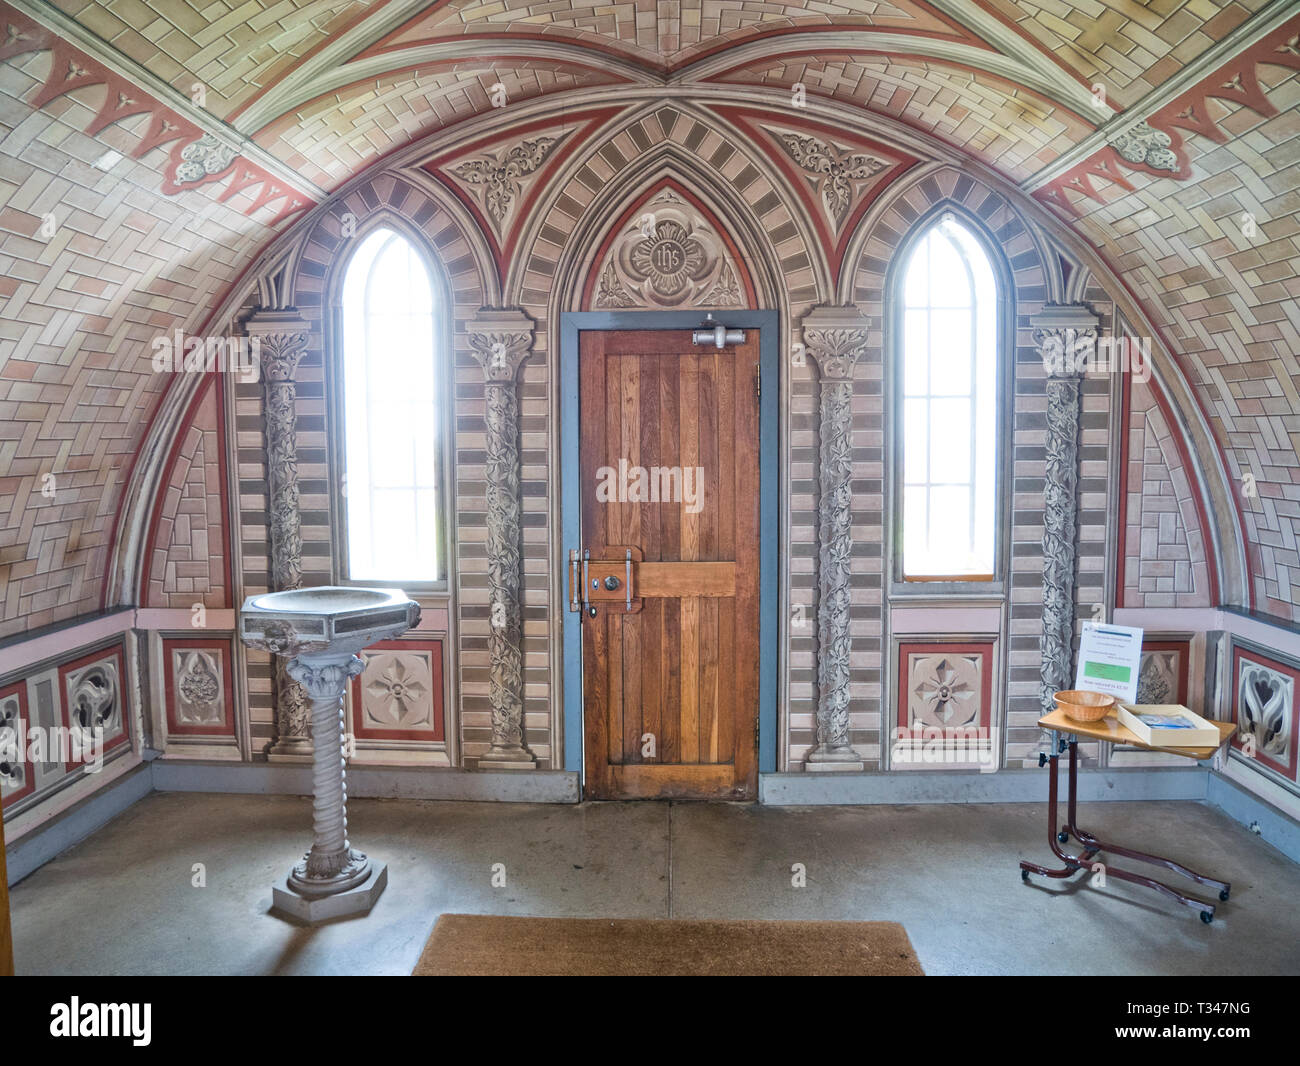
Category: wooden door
[669,448]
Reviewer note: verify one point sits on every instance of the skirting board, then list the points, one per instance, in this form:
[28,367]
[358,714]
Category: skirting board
[500,786]
[1242,805]
[79,821]
[1006,786]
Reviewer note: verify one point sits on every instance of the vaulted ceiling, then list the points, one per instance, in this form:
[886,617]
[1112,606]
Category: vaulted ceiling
[173,140]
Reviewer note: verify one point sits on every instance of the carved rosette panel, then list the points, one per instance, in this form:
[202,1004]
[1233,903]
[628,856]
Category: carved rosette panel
[283,340]
[200,695]
[501,342]
[835,350]
[944,690]
[668,256]
[1056,338]
[1158,675]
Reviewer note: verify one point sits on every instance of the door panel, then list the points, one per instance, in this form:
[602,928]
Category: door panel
[670,498]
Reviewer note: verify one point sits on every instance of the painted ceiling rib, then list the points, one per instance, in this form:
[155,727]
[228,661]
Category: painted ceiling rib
[1259,25]
[144,79]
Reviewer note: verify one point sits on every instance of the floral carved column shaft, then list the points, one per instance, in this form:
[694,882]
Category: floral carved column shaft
[1064,333]
[282,336]
[835,338]
[501,341]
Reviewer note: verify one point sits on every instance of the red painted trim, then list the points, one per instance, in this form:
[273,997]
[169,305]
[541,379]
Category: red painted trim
[174,727]
[589,287]
[797,180]
[574,137]
[1188,111]
[1288,769]
[983,648]
[66,669]
[1184,675]
[19,689]
[436,715]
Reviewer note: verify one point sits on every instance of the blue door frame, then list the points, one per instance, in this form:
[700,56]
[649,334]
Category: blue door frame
[571,324]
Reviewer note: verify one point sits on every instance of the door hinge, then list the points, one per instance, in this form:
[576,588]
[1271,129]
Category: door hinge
[758,381]
[757,729]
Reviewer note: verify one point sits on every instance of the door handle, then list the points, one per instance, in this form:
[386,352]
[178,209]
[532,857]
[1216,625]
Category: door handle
[611,583]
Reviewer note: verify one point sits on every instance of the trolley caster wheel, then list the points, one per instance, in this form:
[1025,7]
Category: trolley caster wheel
[1224,895]
[1207,917]
[1024,876]
[1063,837]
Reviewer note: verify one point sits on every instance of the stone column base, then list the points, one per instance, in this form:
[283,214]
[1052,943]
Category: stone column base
[840,761]
[290,750]
[507,759]
[287,903]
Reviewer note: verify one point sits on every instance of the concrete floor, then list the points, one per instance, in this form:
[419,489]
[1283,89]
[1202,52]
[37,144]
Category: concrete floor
[122,902]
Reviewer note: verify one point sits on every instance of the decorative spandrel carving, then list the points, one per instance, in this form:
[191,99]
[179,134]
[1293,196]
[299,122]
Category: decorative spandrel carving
[497,177]
[836,172]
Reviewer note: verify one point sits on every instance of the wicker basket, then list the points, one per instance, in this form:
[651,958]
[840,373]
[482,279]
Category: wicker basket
[1084,706]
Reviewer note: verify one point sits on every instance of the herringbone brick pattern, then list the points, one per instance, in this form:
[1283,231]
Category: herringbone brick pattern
[1126,46]
[96,264]
[1014,130]
[189,551]
[662,32]
[1215,263]
[1164,548]
[233,48]
[333,137]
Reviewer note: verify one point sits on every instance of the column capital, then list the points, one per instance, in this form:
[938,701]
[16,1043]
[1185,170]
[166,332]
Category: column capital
[1066,337]
[282,338]
[500,339]
[835,338]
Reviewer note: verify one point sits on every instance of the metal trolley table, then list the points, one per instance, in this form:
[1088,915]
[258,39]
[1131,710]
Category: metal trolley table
[1109,729]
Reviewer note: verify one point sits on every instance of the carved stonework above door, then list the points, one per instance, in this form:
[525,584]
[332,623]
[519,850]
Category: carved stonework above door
[666,253]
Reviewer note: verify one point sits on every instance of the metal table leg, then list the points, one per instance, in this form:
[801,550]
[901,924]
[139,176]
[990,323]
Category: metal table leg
[1092,846]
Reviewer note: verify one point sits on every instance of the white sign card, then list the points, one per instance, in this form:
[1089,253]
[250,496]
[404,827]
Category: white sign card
[1109,659]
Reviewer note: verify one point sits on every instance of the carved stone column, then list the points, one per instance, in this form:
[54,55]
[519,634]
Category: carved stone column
[835,338]
[282,335]
[1063,333]
[501,340]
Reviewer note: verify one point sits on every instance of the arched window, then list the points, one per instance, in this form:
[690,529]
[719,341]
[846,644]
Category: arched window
[390,414]
[949,406]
